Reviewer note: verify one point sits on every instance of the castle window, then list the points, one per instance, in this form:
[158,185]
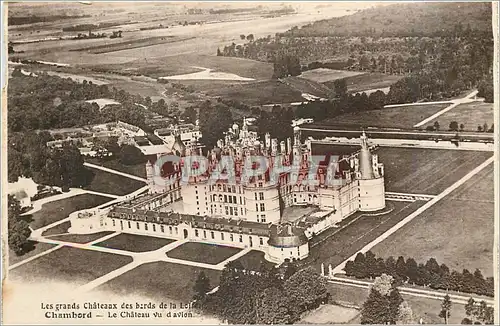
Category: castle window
[176,230]
[114,222]
[261,194]
[228,189]
[129,226]
[230,199]
[241,238]
[234,200]
[146,226]
[138,228]
[227,210]
[222,236]
[262,207]
[256,207]
[230,211]
[235,211]
[224,188]
[170,229]
[196,192]
[241,201]
[225,198]
[231,237]
[261,241]
[234,189]
[204,234]
[162,228]
[212,235]
[258,218]
[154,227]
[255,196]
[196,233]
[260,184]
[263,218]
[241,210]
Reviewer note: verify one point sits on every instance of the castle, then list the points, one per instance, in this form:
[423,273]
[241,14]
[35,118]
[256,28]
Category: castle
[270,196]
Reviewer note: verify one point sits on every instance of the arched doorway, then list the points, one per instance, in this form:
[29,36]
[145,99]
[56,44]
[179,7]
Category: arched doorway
[185,234]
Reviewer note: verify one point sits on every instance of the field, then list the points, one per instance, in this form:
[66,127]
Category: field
[427,309]
[60,209]
[364,228]
[80,238]
[137,170]
[203,253]
[134,243]
[330,314]
[400,117]
[253,260]
[426,171]
[323,75]
[457,231]
[367,81]
[161,281]
[71,265]
[258,93]
[38,247]
[471,115]
[110,183]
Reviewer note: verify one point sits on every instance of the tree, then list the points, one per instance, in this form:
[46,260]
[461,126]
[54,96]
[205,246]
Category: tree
[340,88]
[462,127]
[471,309]
[453,126]
[405,315]
[250,37]
[436,126]
[445,312]
[18,229]
[382,305]
[272,307]
[214,121]
[201,287]
[485,127]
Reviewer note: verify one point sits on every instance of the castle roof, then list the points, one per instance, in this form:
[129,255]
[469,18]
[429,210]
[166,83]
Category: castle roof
[286,236]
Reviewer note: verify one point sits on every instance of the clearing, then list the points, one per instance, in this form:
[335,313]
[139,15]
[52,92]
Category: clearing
[330,314]
[400,117]
[253,260]
[111,183]
[60,209]
[471,115]
[457,231]
[323,75]
[75,266]
[134,243]
[160,281]
[426,171]
[203,253]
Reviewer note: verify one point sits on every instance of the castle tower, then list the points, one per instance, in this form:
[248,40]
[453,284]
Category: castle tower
[150,175]
[371,182]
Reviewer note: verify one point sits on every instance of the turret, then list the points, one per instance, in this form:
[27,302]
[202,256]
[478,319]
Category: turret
[365,159]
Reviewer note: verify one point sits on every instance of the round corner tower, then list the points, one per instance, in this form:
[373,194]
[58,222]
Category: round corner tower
[370,179]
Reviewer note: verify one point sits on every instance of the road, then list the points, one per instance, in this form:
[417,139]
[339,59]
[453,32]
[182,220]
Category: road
[105,169]
[423,293]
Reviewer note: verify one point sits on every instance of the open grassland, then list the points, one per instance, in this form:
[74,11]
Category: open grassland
[458,231]
[426,171]
[253,260]
[80,238]
[60,209]
[203,253]
[137,170]
[111,183]
[323,75]
[367,81]
[134,243]
[72,265]
[342,243]
[259,93]
[160,281]
[60,228]
[427,309]
[308,86]
[401,117]
[471,115]
[36,248]
[330,314]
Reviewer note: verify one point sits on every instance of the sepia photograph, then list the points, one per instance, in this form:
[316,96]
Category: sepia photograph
[216,163]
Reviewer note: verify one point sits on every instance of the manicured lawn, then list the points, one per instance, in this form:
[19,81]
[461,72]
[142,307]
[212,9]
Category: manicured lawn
[160,281]
[135,243]
[330,314]
[470,114]
[60,209]
[80,238]
[112,183]
[323,75]
[399,117]
[203,253]
[426,171]
[137,170]
[425,308]
[36,248]
[362,82]
[71,265]
[253,260]
[458,231]
[58,229]
[343,243]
